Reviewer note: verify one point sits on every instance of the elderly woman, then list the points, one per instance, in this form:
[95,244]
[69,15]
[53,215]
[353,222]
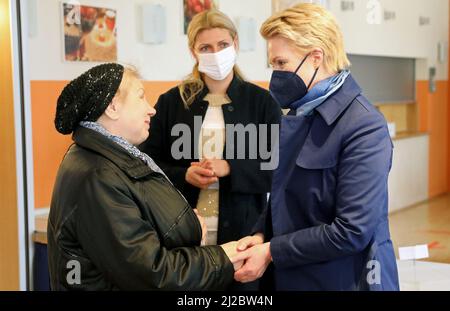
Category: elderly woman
[327,226]
[116,221]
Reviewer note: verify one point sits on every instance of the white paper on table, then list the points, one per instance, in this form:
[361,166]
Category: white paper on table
[413,252]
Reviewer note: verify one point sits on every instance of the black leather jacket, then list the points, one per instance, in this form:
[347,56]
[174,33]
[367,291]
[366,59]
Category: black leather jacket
[124,226]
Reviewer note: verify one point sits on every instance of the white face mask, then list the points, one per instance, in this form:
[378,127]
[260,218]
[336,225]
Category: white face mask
[218,65]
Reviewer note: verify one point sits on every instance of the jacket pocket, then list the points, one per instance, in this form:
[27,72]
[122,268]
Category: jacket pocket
[318,152]
[316,159]
[316,172]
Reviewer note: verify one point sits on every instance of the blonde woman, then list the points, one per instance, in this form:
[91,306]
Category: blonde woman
[327,227]
[229,192]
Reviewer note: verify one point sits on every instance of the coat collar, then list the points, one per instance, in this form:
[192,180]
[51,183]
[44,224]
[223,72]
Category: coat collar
[233,90]
[332,108]
[96,142]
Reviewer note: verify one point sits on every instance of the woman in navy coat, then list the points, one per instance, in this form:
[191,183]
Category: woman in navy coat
[326,227]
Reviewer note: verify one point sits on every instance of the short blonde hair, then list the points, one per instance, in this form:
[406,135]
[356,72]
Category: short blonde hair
[130,72]
[310,26]
[193,84]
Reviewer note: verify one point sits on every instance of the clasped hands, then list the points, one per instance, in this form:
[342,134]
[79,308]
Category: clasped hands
[250,257]
[206,172]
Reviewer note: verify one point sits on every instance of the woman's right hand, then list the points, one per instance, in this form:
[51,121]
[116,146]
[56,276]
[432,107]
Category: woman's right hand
[200,177]
[230,249]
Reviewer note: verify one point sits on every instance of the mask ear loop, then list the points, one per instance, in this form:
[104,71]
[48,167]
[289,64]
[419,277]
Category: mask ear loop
[304,59]
[313,77]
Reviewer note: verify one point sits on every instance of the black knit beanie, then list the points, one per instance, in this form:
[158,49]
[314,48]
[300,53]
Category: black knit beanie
[87,97]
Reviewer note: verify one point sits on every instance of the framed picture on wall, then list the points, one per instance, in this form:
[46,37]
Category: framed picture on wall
[89,33]
[193,7]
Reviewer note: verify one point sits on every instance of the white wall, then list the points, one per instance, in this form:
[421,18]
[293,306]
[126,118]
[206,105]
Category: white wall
[427,38]
[171,61]
[402,37]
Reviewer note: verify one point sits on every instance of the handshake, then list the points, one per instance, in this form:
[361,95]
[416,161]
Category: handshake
[250,257]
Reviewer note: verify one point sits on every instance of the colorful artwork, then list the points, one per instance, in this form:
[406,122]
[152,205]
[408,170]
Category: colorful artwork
[193,7]
[89,33]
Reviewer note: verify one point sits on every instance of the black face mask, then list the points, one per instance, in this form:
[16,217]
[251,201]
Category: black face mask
[287,87]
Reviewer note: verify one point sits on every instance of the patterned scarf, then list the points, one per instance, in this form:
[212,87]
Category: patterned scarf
[131,149]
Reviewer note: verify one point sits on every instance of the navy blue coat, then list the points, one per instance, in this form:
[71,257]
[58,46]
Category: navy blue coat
[328,215]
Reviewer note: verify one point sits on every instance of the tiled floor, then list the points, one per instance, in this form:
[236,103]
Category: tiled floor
[427,223]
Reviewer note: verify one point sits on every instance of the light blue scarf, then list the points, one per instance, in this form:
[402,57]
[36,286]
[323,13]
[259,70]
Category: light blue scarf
[319,93]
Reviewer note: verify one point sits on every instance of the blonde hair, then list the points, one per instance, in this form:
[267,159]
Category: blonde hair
[193,84]
[130,72]
[310,26]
